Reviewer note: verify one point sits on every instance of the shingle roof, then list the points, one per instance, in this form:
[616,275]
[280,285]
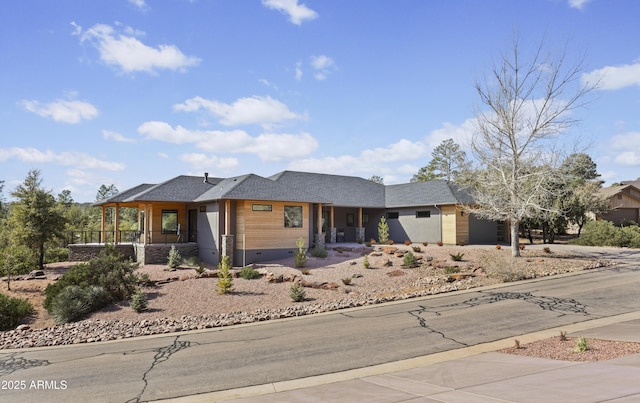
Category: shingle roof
[424,194]
[339,190]
[343,191]
[256,187]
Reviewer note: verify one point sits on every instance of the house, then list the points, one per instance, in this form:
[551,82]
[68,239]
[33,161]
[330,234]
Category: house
[252,218]
[624,201]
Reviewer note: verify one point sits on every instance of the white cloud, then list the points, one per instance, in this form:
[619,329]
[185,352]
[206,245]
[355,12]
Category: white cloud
[130,55]
[109,135]
[264,111]
[323,65]
[139,3]
[203,162]
[78,160]
[298,75]
[297,13]
[267,146]
[614,77]
[578,4]
[625,148]
[62,111]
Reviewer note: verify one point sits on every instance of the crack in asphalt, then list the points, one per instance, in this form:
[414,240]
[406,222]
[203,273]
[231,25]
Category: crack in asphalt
[162,354]
[13,362]
[553,304]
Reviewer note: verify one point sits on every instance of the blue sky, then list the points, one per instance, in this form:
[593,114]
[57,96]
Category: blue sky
[126,92]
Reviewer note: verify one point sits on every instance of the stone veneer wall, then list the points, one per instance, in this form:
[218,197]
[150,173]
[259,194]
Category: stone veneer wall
[159,253]
[149,254]
[83,253]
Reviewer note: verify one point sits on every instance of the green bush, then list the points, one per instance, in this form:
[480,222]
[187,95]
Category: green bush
[297,292]
[409,259]
[605,233]
[225,280]
[300,257]
[139,301]
[249,273]
[456,257]
[174,259]
[319,252]
[383,230]
[53,255]
[13,311]
[74,302]
[110,271]
[366,263]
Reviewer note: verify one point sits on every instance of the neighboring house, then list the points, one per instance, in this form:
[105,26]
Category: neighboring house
[252,218]
[624,201]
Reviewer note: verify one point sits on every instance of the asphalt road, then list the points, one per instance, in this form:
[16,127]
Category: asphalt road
[180,364]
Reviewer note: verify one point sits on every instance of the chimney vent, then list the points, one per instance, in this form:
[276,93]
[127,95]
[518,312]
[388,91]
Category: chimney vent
[206,177]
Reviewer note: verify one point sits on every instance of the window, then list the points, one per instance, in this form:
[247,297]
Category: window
[350,220]
[293,216]
[393,215]
[169,221]
[365,218]
[261,207]
[203,209]
[423,214]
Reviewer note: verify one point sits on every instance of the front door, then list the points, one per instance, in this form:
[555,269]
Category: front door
[193,225]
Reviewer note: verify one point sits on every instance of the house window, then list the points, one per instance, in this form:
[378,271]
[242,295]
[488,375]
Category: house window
[423,214]
[365,218]
[203,209]
[261,207]
[393,215]
[350,220]
[293,216]
[169,221]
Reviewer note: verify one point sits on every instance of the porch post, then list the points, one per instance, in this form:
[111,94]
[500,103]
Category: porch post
[360,228]
[319,237]
[332,226]
[116,225]
[227,237]
[103,218]
[147,217]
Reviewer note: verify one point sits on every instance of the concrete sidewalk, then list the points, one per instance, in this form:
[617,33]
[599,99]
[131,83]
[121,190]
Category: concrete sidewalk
[472,374]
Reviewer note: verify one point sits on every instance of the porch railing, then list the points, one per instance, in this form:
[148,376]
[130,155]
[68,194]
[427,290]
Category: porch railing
[128,236]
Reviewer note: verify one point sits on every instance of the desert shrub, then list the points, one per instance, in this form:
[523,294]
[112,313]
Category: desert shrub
[383,230]
[249,273]
[600,233]
[300,257]
[416,248]
[319,251]
[225,280]
[451,270]
[297,292]
[457,257]
[409,259]
[13,311]
[110,270]
[174,259]
[581,345]
[53,255]
[200,269]
[139,301]
[74,302]
[346,280]
[366,263]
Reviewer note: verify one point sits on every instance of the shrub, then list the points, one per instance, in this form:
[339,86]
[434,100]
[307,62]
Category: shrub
[306,272]
[297,292]
[366,263]
[139,301]
[383,230]
[451,270]
[225,280]
[74,302]
[409,259]
[249,273]
[319,251]
[346,280]
[53,255]
[457,257]
[581,345]
[13,311]
[200,269]
[416,248]
[300,257]
[110,271]
[174,259]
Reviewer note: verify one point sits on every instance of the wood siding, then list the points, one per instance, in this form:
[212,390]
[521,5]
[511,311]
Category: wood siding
[462,226]
[265,229]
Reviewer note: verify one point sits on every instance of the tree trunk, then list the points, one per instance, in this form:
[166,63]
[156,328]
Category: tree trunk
[41,258]
[515,238]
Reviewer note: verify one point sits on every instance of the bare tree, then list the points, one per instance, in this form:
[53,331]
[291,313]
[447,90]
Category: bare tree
[528,103]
